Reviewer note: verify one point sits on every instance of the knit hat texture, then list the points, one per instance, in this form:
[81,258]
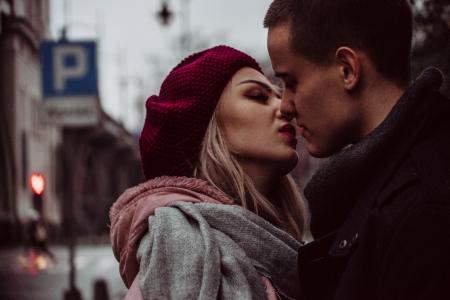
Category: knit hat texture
[177,119]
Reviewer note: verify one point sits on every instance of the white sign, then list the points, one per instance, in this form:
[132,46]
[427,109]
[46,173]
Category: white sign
[75,113]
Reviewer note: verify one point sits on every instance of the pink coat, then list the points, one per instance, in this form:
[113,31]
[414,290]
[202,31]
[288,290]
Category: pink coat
[129,219]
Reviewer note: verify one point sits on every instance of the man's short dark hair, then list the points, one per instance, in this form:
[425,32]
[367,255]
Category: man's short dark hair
[381,28]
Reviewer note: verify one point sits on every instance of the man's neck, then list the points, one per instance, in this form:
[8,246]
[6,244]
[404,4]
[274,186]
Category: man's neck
[379,100]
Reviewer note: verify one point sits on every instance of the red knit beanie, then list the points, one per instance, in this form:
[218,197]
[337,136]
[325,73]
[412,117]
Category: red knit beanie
[177,119]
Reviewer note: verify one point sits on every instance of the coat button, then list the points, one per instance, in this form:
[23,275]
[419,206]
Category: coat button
[343,244]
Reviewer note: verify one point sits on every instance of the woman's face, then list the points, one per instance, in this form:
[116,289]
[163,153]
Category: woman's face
[249,114]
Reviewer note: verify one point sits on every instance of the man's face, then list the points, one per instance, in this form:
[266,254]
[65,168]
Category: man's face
[315,95]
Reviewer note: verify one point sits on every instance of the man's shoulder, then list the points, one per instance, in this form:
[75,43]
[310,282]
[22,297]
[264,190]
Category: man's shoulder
[423,177]
[431,159]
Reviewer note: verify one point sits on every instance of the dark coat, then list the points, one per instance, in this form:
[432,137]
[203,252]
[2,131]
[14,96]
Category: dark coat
[380,209]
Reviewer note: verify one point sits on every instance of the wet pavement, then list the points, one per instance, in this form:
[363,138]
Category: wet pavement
[27,277]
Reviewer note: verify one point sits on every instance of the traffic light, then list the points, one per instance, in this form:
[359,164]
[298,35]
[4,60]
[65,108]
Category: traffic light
[37,184]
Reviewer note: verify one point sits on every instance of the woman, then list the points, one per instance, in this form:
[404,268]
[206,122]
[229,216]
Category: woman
[218,216]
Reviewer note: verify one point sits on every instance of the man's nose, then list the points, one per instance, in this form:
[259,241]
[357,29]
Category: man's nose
[287,107]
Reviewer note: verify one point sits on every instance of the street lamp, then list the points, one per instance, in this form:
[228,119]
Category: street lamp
[165,14]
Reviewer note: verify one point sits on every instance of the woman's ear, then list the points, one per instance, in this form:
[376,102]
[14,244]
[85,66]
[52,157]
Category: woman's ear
[349,65]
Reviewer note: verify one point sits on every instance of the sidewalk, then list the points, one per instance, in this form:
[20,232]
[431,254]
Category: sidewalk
[49,281]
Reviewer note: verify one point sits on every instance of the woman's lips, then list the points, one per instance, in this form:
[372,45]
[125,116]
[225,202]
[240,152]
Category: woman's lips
[288,128]
[289,131]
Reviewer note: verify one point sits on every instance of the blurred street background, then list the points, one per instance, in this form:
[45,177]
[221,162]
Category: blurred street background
[74,77]
[49,280]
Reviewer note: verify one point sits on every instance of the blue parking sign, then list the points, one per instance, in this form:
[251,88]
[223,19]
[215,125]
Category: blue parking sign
[69,69]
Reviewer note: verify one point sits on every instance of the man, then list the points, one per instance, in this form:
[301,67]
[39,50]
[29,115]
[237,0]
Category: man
[380,207]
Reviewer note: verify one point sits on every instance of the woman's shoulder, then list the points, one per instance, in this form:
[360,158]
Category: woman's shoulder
[139,202]
[162,190]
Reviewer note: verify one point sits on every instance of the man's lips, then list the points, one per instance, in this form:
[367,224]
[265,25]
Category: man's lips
[304,132]
[301,129]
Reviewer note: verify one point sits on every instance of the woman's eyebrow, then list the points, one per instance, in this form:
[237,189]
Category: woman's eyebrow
[263,84]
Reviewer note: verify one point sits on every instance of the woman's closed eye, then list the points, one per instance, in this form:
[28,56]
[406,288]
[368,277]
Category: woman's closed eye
[258,94]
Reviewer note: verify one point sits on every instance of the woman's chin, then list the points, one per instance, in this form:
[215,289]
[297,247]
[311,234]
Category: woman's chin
[287,163]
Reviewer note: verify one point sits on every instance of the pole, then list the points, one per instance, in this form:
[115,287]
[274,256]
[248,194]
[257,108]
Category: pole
[73,159]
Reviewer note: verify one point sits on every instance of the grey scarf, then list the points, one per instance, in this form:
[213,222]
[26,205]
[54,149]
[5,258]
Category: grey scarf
[213,251]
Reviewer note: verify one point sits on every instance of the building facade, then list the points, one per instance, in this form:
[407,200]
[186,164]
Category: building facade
[82,185]
[24,141]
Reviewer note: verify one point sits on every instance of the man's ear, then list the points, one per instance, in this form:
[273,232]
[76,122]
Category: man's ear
[349,65]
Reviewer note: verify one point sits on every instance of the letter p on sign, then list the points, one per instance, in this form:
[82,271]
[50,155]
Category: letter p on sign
[63,71]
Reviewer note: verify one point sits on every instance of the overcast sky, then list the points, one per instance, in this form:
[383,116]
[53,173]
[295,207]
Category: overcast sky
[136,51]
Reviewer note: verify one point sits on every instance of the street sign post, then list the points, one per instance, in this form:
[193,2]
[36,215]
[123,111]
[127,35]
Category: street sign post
[70,91]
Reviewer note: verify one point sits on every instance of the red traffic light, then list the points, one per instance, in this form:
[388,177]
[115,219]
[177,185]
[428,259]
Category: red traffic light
[37,183]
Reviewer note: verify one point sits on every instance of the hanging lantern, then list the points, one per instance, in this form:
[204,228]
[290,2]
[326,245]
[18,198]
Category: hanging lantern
[165,15]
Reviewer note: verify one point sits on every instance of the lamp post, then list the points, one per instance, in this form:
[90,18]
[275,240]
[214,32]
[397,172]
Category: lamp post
[165,16]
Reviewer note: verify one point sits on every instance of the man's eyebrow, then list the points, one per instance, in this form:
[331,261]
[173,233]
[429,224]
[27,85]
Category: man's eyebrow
[283,75]
[263,84]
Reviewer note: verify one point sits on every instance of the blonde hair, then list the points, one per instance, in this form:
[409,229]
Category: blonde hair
[218,165]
